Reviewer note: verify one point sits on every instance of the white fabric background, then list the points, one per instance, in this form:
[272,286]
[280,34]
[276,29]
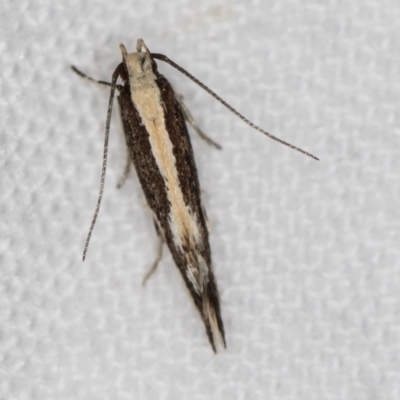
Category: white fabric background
[306,253]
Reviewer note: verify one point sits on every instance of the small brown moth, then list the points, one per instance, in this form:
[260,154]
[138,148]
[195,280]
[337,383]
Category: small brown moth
[153,118]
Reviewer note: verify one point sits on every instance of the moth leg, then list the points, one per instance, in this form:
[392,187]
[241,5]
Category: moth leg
[188,117]
[154,266]
[125,174]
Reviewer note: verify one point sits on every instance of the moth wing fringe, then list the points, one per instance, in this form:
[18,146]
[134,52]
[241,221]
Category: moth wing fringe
[211,316]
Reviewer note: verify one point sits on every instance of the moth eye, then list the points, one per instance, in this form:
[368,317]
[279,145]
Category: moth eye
[142,62]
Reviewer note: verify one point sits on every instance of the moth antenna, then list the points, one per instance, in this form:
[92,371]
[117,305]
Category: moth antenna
[84,76]
[115,76]
[164,58]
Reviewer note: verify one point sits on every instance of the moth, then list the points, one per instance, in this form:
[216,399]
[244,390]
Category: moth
[153,118]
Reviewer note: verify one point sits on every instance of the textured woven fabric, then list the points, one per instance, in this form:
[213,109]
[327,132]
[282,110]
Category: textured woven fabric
[306,253]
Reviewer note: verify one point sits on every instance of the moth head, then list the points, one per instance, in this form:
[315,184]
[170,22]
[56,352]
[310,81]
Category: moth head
[140,65]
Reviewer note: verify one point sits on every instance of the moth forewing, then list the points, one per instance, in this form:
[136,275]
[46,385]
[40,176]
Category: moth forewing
[160,148]
[158,143]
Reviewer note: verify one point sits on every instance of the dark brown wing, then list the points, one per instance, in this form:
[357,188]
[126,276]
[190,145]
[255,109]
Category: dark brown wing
[192,259]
